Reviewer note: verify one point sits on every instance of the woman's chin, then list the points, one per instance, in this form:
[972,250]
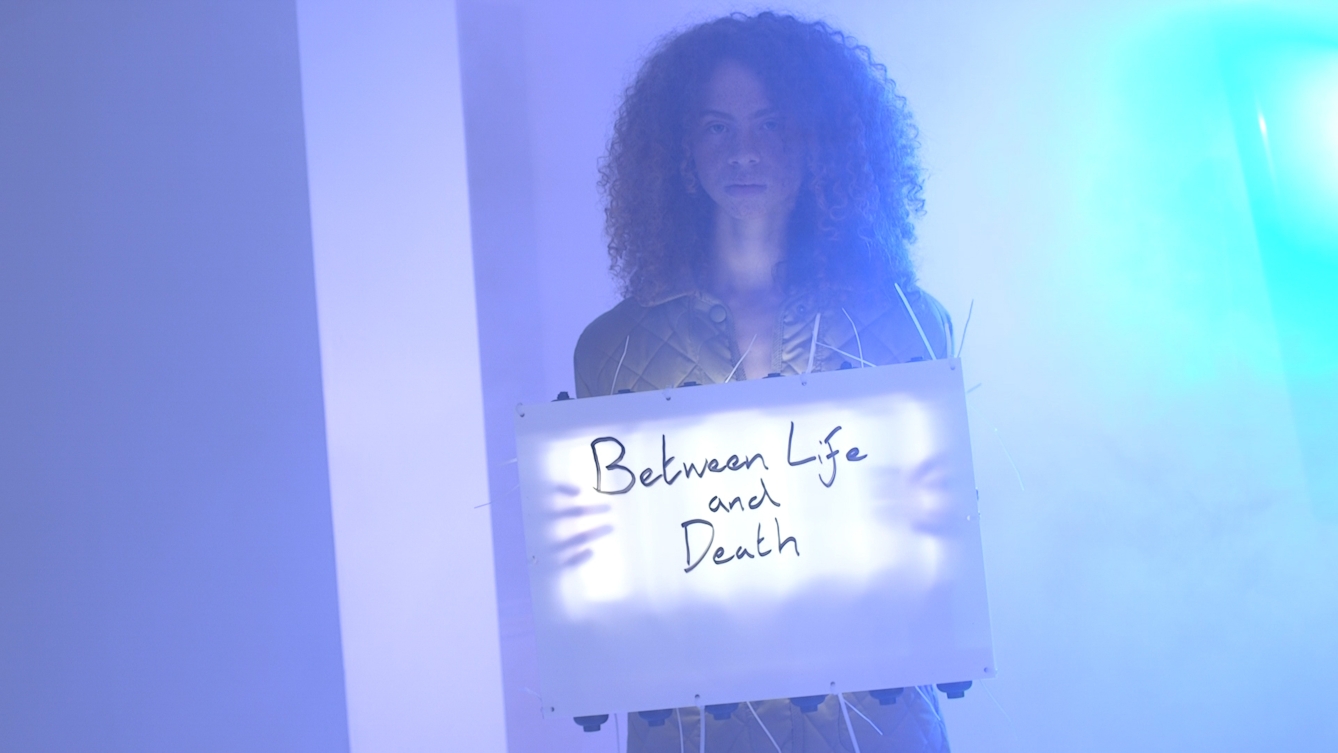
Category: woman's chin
[753,209]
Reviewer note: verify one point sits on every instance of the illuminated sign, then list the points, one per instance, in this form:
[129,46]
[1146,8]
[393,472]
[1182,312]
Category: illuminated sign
[759,539]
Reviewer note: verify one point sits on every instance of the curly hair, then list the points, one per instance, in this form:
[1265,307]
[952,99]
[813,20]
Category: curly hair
[852,224]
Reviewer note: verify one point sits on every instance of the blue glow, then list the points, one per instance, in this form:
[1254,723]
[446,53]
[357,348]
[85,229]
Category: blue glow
[1282,81]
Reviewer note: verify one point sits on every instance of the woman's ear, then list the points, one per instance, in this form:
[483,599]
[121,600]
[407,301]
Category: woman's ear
[812,166]
[687,170]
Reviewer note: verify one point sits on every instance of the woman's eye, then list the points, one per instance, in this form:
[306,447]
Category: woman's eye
[771,125]
[715,128]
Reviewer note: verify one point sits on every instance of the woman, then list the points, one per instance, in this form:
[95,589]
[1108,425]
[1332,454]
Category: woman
[761,183]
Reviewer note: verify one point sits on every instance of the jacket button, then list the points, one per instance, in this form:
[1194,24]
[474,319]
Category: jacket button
[718,313]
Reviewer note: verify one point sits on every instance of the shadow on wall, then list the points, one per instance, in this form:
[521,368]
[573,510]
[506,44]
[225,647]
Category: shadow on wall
[495,87]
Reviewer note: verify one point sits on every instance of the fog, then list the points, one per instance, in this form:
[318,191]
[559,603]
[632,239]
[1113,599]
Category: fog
[1160,577]
[275,275]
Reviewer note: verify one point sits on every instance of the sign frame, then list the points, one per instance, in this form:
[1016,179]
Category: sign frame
[891,621]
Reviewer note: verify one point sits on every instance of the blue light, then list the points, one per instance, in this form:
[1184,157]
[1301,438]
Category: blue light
[1282,82]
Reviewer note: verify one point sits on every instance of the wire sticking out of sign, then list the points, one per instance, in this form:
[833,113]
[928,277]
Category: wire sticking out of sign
[850,728]
[855,709]
[916,319]
[813,344]
[862,362]
[763,726]
[746,351]
[614,384]
[701,709]
[966,327]
[858,344]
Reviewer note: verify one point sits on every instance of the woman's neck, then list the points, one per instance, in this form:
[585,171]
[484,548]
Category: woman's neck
[746,253]
[744,276]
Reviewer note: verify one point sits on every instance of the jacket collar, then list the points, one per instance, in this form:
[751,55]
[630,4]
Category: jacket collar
[679,290]
[684,290]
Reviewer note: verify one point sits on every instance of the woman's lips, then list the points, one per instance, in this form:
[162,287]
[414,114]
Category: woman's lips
[745,189]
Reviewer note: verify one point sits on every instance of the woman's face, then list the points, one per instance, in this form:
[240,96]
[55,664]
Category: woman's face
[747,159]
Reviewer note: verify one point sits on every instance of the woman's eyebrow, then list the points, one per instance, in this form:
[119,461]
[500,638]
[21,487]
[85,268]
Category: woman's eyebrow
[765,112]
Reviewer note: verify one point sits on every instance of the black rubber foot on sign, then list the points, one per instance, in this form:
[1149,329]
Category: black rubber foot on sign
[591,723]
[886,696]
[808,703]
[955,689]
[656,718]
[721,711]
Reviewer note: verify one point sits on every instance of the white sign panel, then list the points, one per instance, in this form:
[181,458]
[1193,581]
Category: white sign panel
[753,540]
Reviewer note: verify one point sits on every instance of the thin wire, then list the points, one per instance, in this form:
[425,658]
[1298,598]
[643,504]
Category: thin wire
[1009,455]
[965,327]
[1002,445]
[813,344]
[855,709]
[1012,728]
[929,702]
[763,726]
[748,350]
[849,727]
[916,319]
[986,688]
[858,344]
[848,355]
[614,385]
[678,716]
[536,695]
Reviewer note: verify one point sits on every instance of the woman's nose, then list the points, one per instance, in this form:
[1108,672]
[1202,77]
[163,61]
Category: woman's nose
[745,151]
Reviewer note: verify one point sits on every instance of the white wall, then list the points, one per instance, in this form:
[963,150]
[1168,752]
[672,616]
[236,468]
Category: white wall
[167,576]
[167,558]
[399,347]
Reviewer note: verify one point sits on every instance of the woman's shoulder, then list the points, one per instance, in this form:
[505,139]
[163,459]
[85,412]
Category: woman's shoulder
[608,331]
[904,325]
[605,341]
[652,346]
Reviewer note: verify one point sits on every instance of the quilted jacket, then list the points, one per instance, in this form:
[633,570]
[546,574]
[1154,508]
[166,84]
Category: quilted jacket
[688,337]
